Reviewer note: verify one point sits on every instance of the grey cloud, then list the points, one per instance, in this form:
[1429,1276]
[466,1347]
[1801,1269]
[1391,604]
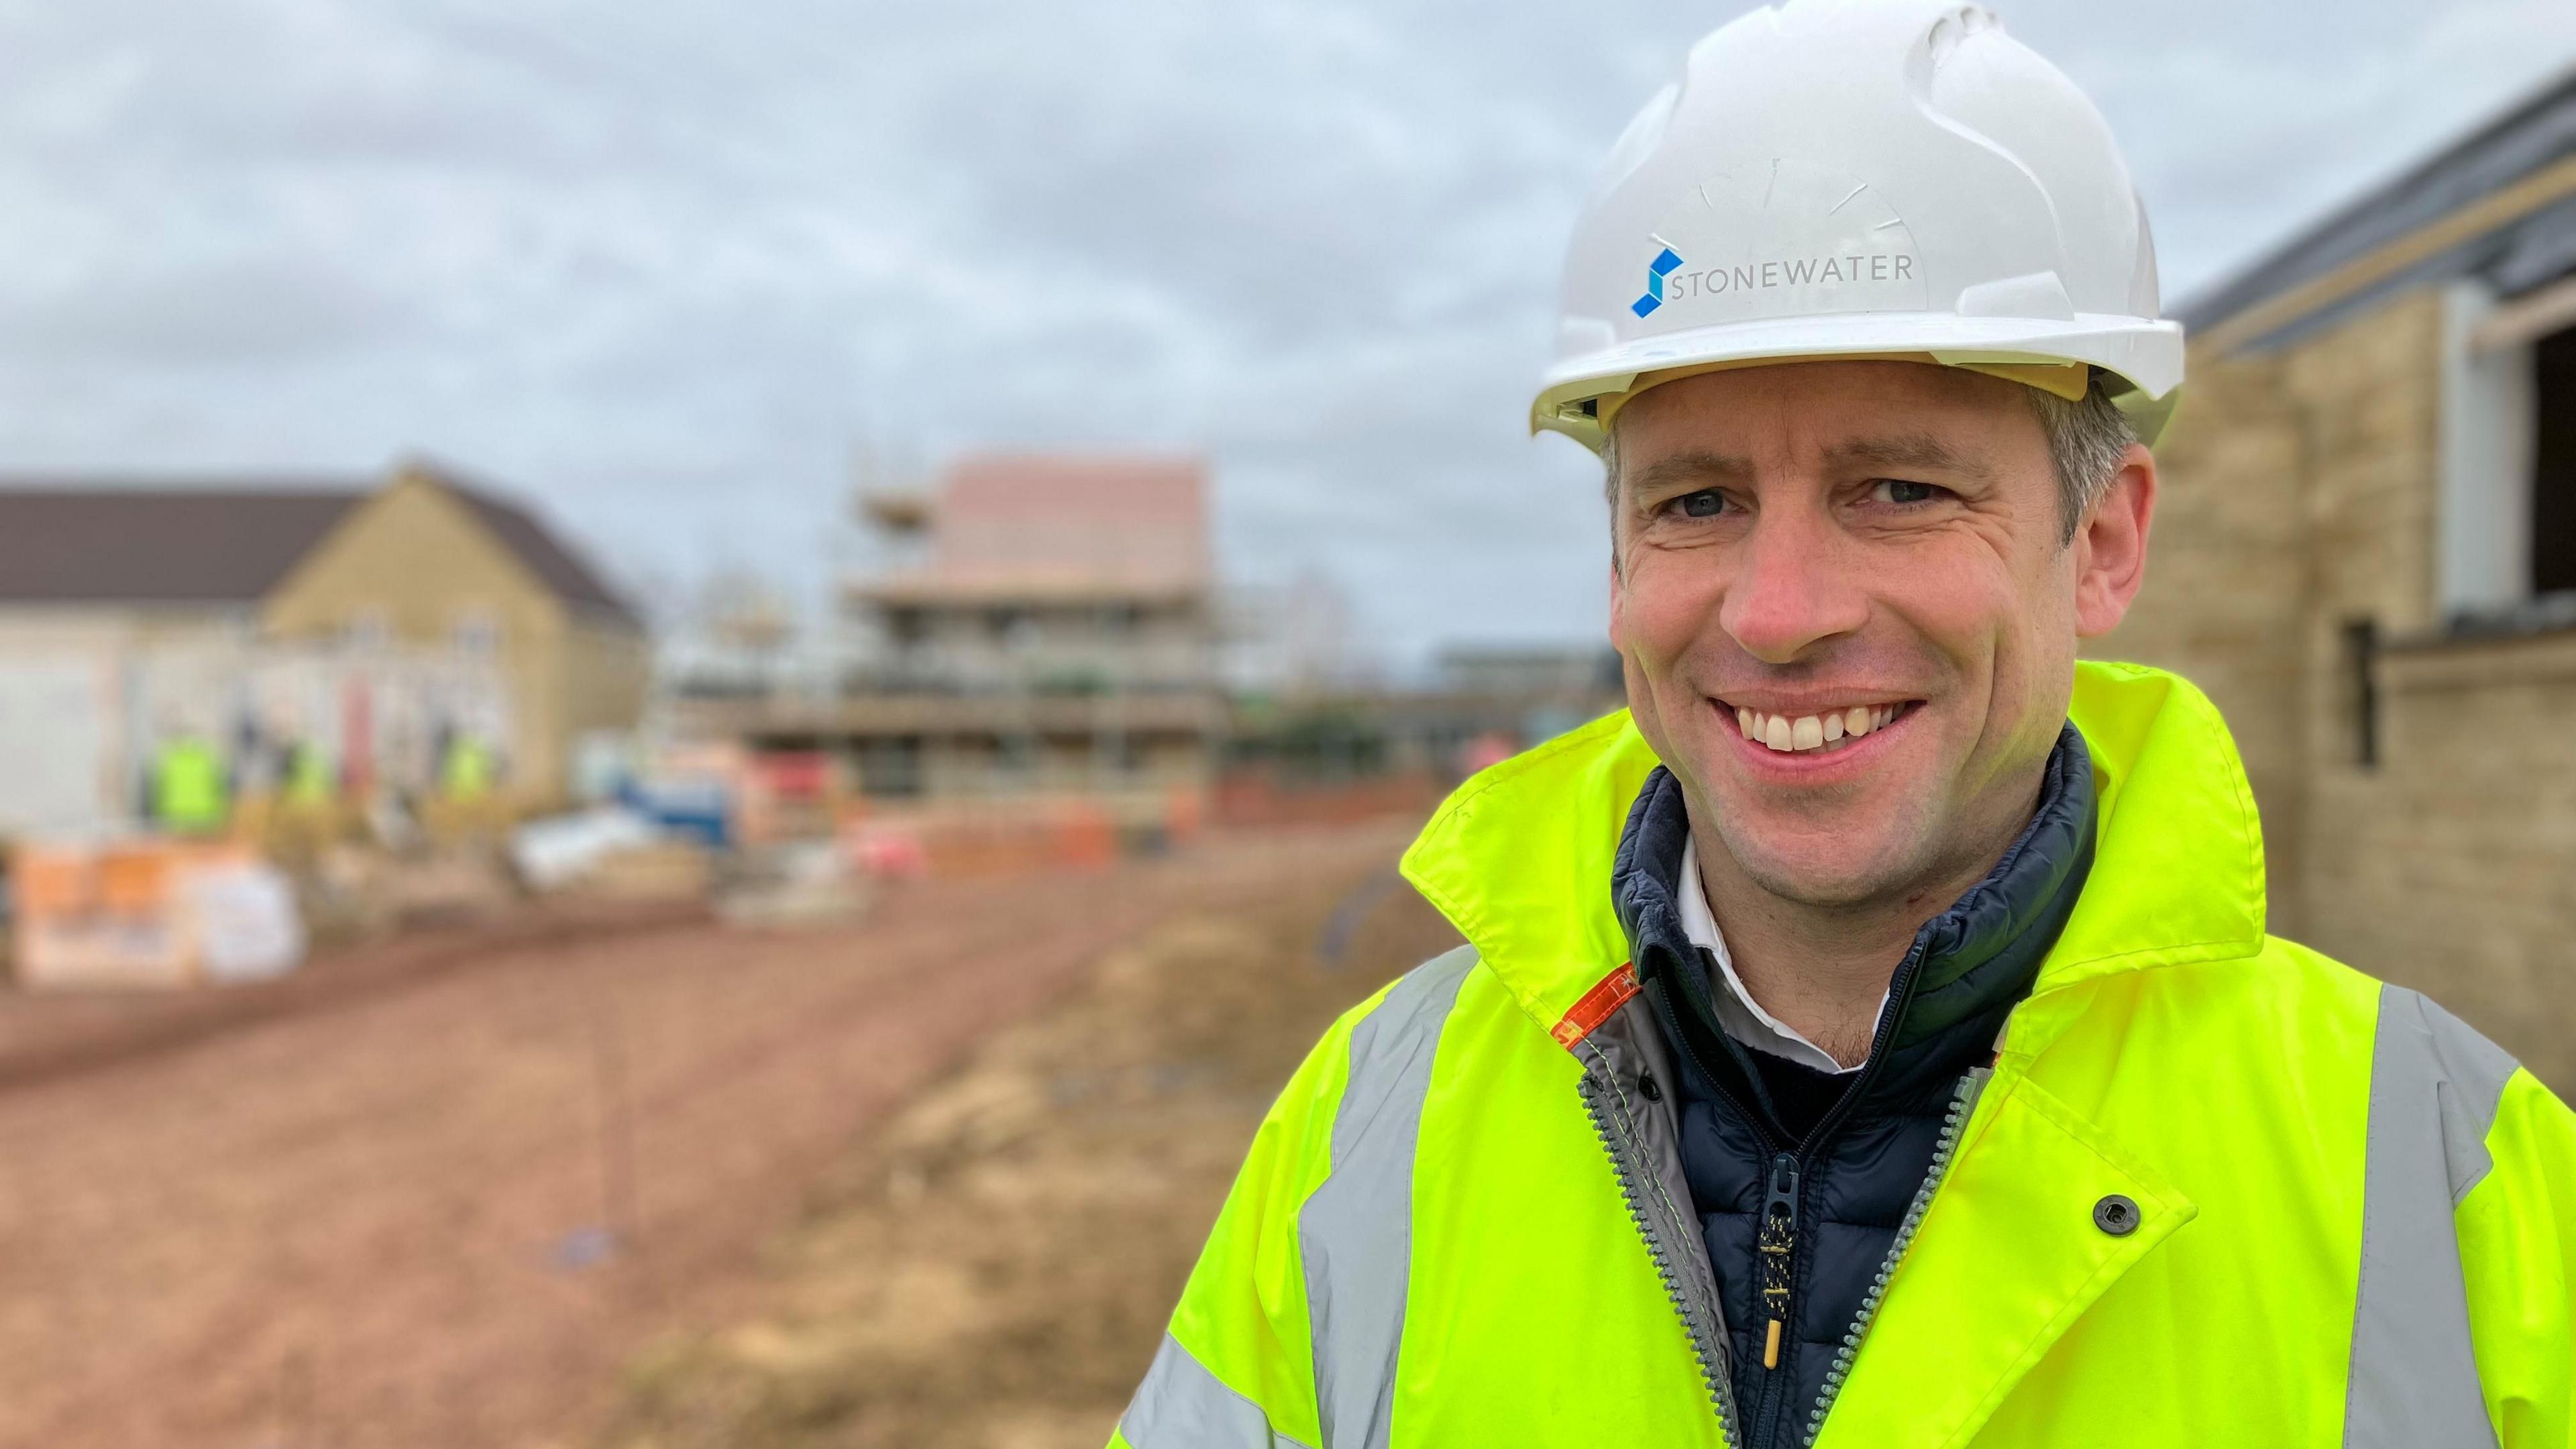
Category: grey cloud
[668,263]
[230,311]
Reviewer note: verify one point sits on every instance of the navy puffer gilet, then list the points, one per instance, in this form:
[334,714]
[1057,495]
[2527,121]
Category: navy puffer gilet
[1847,1155]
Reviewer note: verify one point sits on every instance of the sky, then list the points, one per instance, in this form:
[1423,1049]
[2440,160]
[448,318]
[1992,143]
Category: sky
[683,271]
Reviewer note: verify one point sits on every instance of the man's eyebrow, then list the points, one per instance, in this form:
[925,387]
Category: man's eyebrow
[1912,450]
[1702,468]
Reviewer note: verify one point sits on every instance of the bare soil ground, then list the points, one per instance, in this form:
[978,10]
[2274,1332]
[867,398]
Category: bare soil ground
[994,1268]
[444,1210]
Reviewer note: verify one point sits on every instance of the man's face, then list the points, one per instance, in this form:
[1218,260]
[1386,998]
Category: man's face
[1847,617]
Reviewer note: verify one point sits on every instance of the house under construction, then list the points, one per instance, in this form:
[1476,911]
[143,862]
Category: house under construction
[1039,624]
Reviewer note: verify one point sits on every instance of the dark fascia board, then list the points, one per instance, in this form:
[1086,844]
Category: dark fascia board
[2531,135]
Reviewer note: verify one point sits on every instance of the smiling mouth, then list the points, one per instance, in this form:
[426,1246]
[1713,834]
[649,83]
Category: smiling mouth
[1823,732]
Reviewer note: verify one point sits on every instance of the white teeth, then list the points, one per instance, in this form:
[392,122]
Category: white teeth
[1814,732]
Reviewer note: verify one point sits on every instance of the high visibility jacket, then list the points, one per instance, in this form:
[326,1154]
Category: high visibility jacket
[1463,1224]
[189,791]
[309,778]
[466,773]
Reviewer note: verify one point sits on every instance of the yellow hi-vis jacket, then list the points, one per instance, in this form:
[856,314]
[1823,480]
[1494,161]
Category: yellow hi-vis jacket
[189,791]
[466,773]
[1463,1224]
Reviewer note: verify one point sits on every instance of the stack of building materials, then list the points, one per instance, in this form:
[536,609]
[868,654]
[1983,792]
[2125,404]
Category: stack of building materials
[613,851]
[668,869]
[695,791]
[561,850]
[791,795]
[149,914]
[801,883]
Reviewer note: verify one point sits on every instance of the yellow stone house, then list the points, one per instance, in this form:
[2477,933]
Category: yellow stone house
[2366,552]
[378,622]
[430,561]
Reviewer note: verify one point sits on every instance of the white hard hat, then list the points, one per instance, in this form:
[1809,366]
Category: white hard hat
[1863,178]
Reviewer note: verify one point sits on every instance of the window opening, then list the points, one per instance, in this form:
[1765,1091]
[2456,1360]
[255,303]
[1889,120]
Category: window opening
[2553,474]
[2361,668]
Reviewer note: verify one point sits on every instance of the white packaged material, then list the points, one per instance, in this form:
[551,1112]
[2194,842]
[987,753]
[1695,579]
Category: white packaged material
[243,917]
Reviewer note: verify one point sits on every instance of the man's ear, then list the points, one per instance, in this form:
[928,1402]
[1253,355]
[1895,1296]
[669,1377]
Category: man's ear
[2111,546]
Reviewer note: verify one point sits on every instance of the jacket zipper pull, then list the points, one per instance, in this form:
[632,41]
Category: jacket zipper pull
[1778,1240]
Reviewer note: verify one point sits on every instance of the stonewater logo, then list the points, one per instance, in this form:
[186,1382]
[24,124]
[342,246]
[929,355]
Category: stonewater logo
[1669,279]
[1664,265]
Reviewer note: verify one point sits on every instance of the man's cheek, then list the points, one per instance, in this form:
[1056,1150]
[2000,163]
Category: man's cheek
[1665,612]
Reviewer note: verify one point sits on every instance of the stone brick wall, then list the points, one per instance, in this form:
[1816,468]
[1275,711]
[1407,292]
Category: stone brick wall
[2300,489]
[2452,867]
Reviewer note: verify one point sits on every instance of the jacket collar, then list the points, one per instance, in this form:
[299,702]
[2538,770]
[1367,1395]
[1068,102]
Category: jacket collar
[1518,856]
[1964,971]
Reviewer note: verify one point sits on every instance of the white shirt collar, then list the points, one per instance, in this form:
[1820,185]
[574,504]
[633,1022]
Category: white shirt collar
[1737,1011]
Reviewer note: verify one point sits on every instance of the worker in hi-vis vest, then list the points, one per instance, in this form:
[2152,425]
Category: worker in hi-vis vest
[191,786]
[465,766]
[1870,1037]
[309,781]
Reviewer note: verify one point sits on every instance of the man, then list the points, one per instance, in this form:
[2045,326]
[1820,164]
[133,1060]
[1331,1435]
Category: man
[189,789]
[1872,1038]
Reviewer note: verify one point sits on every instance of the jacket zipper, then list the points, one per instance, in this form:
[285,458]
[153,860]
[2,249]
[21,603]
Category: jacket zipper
[1776,1243]
[1963,1102]
[1618,1142]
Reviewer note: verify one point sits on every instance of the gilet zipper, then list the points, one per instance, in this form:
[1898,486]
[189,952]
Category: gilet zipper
[1900,996]
[1785,1190]
[1776,1245]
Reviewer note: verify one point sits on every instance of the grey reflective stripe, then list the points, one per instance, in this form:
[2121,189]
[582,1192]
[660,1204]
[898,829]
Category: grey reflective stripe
[2434,1086]
[1356,1231]
[1183,1406]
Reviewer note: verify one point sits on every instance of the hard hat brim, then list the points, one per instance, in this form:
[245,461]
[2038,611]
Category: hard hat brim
[2145,355]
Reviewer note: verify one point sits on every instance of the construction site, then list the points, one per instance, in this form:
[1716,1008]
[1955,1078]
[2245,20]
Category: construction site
[463,983]
[429,1029]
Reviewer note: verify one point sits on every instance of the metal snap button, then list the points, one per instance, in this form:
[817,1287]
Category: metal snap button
[1646,1085]
[2117,1215]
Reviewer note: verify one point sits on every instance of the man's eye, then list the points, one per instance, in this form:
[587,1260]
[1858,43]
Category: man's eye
[1899,490]
[1707,503]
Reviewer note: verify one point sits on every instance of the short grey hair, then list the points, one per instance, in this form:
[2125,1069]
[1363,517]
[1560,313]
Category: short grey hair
[2087,438]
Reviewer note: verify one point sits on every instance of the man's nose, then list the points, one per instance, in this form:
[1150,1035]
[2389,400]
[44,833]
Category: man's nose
[1795,585]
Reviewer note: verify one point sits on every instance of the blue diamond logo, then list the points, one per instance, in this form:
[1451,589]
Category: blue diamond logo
[1664,265]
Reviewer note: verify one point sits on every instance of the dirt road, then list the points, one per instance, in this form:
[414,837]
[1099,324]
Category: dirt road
[446,1215]
[993,1268]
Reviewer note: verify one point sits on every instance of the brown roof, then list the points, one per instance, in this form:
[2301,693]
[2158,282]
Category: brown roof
[1034,526]
[550,558]
[109,544]
[158,545]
